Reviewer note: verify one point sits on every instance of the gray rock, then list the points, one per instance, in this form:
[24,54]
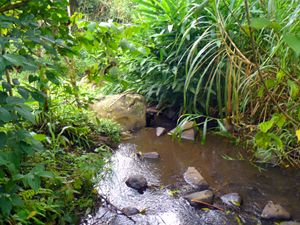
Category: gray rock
[160,131]
[290,223]
[151,155]
[194,178]
[232,198]
[202,196]
[129,110]
[269,157]
[137,182]
[189,131]
[130,211]
[274,211]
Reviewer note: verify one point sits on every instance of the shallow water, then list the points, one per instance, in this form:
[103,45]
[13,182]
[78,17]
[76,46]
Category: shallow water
[282,186]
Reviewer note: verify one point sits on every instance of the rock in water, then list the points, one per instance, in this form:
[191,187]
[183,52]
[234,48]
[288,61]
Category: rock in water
[129,110]
[137,182]
[189,132]
[202,196]
[233,201]
[274,211]
[194,178]
[290,223]
[151,155]
[160,131]
[129,211]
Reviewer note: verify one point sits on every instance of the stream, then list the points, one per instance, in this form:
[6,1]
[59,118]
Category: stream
[282,186]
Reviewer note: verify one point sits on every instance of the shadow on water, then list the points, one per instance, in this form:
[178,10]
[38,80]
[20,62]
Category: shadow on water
[281,186]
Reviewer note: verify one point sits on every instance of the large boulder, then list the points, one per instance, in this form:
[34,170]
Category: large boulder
[137,182]
[274,211]
[129,110]
[202,196]
[194,178]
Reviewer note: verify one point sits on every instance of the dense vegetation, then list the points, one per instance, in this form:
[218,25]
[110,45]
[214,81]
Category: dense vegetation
[215,60]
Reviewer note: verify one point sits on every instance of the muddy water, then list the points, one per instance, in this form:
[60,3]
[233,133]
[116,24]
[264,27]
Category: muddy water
[165,174]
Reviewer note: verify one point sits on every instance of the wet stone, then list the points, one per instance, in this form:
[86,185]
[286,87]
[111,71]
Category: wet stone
[160,131]
[129,211]
[231,198]
[202,196]
[189,132]
[274,211]
[151,155]
[194,178]
[137,182]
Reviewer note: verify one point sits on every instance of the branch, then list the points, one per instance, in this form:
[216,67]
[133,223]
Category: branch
[204,203]
[14,6]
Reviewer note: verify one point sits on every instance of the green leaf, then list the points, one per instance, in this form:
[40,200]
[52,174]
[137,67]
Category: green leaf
[279,75]
[14,100]
[265,126]
[51,76]
[6,86]
[39,137]
[278,144]
[2,64]
[292,41]
[114,72]
[145,25]
[38,97]
[270,83]
[136,29]
[262,140]
[14,59]
[260,23]
[34,182]
[4,115]
[131,47]
[27,115]
[16,200]
[27,148]
[2,161]
[279,119]
[92,26]
[5,205]
[15,82]
[123,43]
[199,9]
[294,89]
[142,50]
[46,174]
[128,33]
[23,92]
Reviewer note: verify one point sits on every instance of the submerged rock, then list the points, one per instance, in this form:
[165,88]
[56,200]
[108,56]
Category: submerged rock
[274,211]
[137,182]
[160,131]
[202,196]
[194,178]
[130,211]
[232,200]
[151,155]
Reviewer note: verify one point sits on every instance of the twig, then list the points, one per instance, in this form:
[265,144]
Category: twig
[116,208]
[204,203]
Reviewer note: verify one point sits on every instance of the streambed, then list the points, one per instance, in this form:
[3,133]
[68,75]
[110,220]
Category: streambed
[282,186]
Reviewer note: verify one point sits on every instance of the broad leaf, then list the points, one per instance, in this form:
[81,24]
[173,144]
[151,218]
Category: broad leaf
[27,115]
[265,126]
[16,200]
[292,41]
[4,115]
[294,89]
[46,174]
[23,92]
[34,182]
[14,100]
[260,23]
[5,205]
